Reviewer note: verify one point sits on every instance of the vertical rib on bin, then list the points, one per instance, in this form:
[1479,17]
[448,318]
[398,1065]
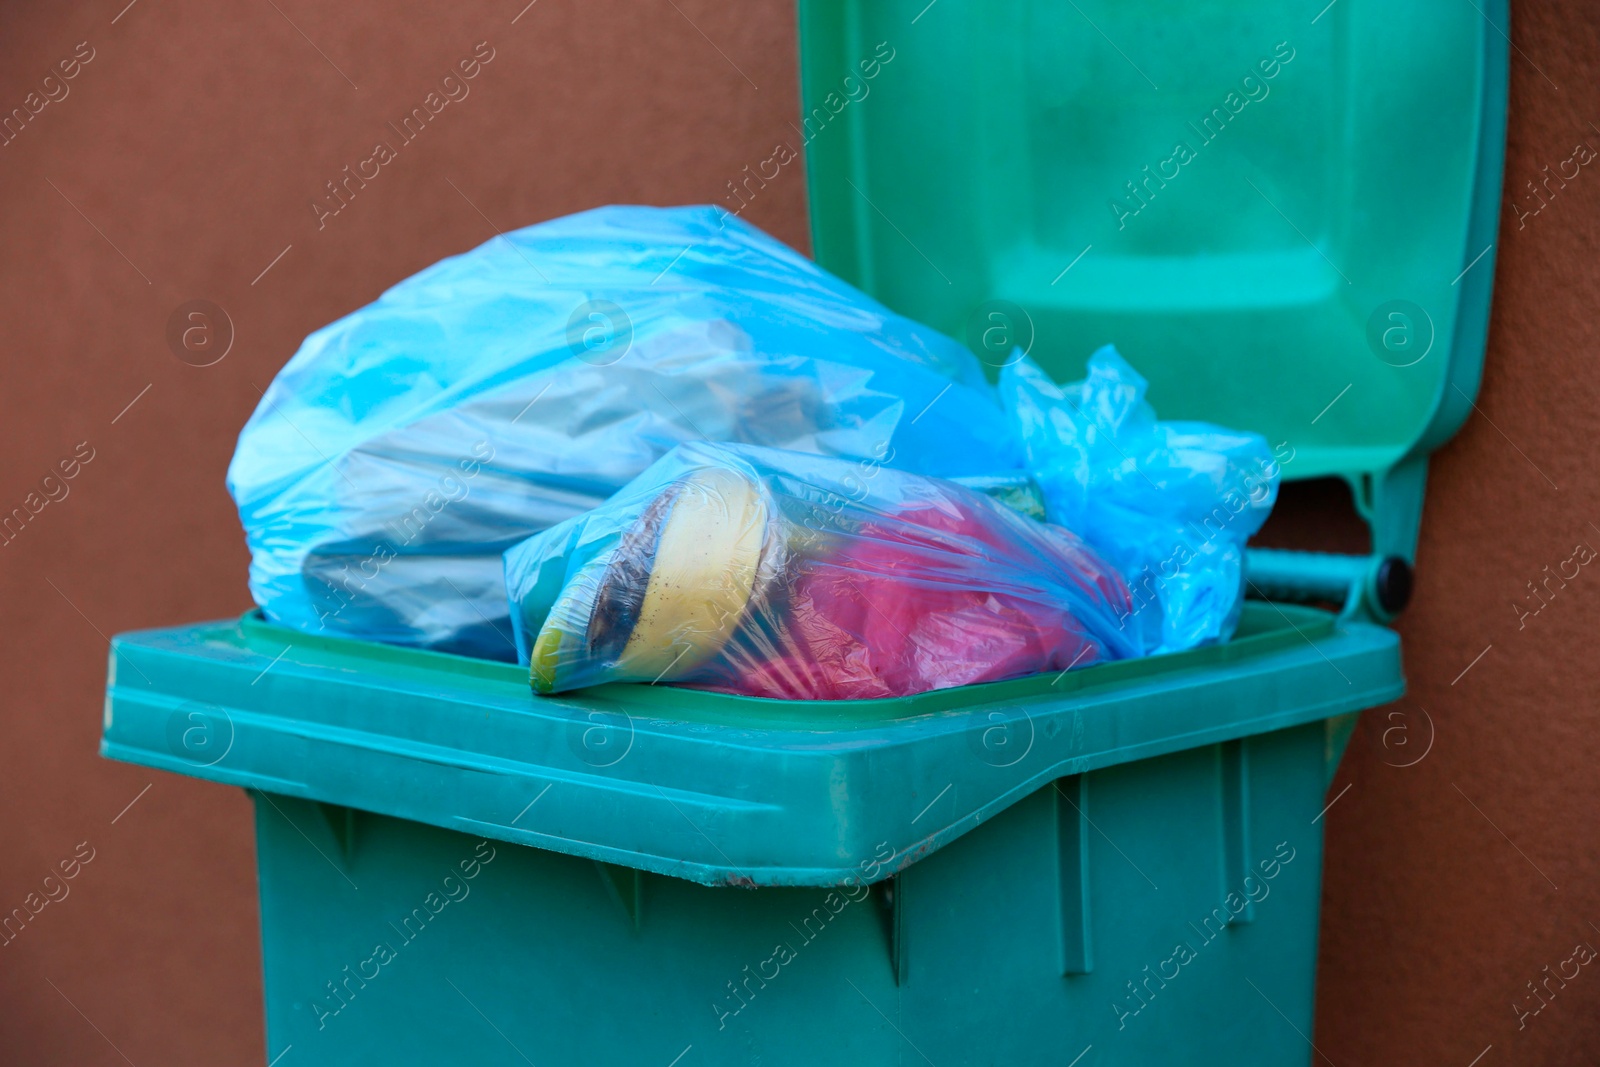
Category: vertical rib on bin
[1235,758]
[1072,798]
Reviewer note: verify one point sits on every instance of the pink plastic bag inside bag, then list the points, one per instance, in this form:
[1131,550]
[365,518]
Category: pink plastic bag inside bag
[809,581]
[876,618]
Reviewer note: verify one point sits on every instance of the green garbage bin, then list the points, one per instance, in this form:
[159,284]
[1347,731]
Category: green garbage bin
[1116,865]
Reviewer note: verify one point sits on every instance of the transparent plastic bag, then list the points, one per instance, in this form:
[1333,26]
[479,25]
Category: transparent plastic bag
[499,392]
[1169,504]
[771,573]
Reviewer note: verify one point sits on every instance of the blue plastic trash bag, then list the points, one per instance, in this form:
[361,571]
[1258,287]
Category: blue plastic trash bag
[771,573]
[1170,504]
[407,445]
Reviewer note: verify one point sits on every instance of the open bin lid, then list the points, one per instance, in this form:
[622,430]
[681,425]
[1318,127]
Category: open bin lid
[1284,217]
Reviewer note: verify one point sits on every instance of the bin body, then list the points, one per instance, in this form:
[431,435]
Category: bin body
[1053,927]
[1126,857]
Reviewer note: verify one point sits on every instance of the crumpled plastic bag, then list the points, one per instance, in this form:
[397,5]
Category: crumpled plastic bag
[499,392]
[1169,504]
[770,573]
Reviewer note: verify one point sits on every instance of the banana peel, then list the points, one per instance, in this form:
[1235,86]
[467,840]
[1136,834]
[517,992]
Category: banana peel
[671,594]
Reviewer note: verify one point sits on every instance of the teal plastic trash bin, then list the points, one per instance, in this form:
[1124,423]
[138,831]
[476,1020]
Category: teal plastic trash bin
[1119,865]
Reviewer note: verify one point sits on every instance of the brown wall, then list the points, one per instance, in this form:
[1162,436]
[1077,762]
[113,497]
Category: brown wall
[193,142]
[1452,883]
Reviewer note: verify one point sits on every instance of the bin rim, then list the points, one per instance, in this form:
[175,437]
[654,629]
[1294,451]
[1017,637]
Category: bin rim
[630,777]
[1256,634]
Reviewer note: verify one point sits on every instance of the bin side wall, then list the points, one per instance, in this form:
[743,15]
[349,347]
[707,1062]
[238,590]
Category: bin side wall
[1179,894]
